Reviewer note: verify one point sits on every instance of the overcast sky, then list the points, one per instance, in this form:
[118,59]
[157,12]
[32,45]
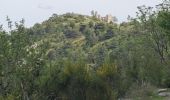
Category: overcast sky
[34,11]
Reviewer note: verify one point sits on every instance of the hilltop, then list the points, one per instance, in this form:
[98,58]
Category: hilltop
[75,33]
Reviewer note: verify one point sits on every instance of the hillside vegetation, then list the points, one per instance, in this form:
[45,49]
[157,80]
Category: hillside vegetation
[79,57]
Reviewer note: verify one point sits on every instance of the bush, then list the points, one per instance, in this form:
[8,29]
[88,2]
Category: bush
[77,81]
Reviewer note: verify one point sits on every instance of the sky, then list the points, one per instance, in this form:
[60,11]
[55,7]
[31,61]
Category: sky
[36,11]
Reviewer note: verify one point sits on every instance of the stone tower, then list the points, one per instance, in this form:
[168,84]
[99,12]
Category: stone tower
[109,18]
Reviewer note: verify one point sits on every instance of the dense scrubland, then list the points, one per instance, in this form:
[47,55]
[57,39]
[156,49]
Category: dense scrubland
[79,57]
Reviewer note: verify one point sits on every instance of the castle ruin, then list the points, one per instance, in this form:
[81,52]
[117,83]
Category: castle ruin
[108,18]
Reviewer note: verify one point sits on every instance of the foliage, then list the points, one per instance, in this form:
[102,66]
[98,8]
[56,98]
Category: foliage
[78,57]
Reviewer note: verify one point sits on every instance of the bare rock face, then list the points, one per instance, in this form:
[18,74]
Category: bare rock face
[163,93]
